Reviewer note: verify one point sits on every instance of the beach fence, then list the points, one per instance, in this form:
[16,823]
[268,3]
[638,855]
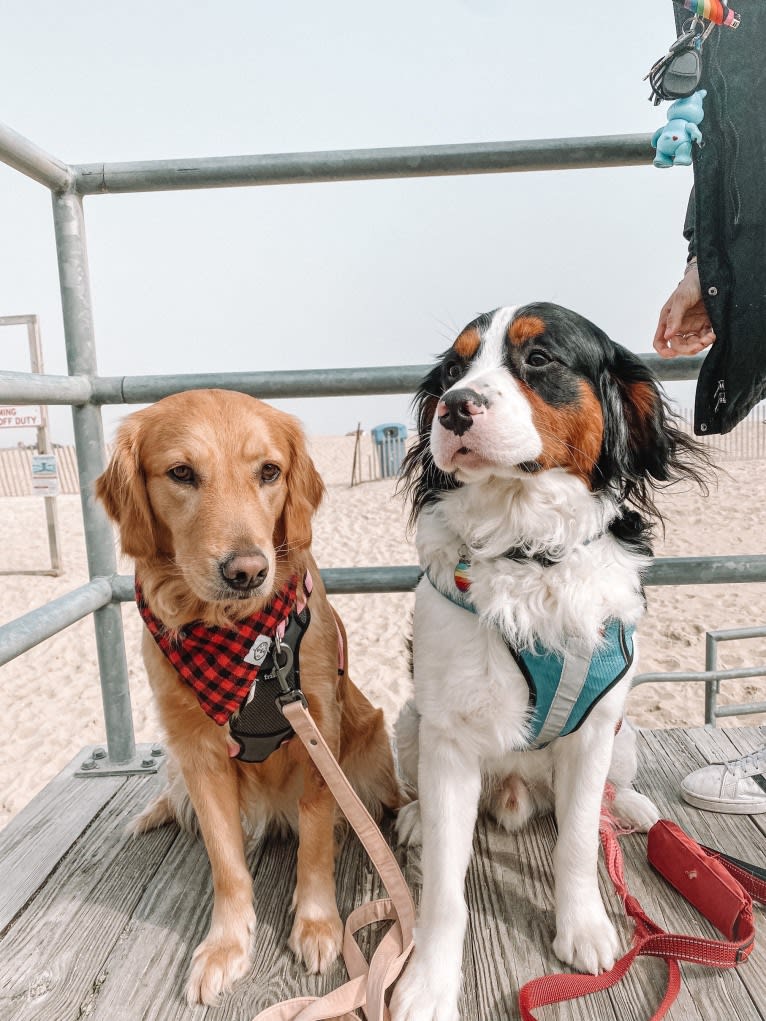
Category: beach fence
[745,443]
[16,470]
[87,392]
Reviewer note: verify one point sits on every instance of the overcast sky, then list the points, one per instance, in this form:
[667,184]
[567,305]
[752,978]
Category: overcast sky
[327,275]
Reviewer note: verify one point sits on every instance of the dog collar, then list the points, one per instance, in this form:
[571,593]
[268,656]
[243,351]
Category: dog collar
[517,553]
[222,664]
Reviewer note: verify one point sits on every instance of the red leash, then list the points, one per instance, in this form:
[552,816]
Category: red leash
[722,889]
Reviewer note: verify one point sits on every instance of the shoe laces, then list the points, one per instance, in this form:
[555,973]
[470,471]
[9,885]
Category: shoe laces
[749,765]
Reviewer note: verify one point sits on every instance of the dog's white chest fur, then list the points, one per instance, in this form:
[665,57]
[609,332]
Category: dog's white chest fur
[516,602]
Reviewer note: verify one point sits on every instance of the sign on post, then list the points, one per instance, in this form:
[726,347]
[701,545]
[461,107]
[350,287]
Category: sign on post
[45,478]
[45,475]
[14,416]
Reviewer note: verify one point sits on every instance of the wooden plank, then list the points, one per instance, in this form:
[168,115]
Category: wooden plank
[279,976]
[150,963]
[671,755]
[512,924]
[53,953]
[111,933]
[35,840]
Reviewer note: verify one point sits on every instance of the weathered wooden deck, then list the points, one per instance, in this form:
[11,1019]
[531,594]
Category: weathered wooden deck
[95,924]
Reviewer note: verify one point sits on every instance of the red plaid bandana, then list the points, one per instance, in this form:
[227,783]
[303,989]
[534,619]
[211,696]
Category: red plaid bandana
[211,660]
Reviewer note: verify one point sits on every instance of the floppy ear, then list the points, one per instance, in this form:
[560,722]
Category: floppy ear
[122,490]
[305,490]
[643,446]
[419,478]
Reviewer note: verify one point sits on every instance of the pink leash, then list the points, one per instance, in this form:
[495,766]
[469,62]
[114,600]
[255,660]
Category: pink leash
[368,982]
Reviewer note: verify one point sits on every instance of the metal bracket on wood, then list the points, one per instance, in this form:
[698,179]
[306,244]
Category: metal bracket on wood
[96,762]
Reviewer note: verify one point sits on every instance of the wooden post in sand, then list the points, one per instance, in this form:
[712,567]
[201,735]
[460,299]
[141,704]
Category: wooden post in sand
[43,436]
[357,462]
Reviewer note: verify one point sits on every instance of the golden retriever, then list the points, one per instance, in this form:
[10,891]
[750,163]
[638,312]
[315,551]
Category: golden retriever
[213,494]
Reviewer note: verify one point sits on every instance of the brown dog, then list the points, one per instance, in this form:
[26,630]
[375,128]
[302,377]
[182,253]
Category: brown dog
[213,493]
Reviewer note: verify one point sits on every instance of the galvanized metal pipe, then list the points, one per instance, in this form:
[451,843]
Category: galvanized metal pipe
[33,388]
[682,677]
[29,159]
[743,709]
[337,580]
[664,571]
[734,634]
[267,385]
[365,164]
[343,382]
[706,570]
[38,388]
[25,632]
[713,687]
[91,460]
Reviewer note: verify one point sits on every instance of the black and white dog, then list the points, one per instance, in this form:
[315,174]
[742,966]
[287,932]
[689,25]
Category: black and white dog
[540,444]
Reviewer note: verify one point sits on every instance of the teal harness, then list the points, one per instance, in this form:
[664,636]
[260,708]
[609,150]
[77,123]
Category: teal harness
[564,687]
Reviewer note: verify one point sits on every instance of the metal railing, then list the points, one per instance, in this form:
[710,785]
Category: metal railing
[712,676]
[86,391]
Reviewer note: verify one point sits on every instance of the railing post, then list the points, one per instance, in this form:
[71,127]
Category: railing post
[91,459]
[712,687]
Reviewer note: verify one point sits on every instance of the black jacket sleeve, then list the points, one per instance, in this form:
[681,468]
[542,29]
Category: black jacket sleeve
[689,227]
[728,233]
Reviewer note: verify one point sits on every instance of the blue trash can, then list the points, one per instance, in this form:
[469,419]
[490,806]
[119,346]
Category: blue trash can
[390,440]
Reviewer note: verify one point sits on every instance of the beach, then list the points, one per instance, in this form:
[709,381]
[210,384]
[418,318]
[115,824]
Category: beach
[50,702]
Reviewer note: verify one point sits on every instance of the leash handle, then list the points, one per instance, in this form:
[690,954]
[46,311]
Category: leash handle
[368,982]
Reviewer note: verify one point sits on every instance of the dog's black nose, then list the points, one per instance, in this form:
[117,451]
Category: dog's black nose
[243,571]
[457,409]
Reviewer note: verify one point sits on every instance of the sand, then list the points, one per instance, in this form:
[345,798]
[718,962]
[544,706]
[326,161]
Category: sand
[50,703]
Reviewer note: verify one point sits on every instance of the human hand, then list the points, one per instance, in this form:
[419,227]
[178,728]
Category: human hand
[684,327]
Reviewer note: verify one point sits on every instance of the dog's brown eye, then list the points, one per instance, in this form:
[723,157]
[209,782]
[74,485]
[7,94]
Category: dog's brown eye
[451,373]
[270,472]
[537,359]
[182,473]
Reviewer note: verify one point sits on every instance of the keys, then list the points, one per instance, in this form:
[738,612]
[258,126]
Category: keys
[678,73]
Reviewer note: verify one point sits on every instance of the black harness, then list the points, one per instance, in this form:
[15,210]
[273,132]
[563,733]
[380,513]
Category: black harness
[259,727]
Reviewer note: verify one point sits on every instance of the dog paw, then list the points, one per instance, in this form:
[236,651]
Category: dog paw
[316,941]
[424,994]
[409,828]
[588,943]
[158,812]
[633,810]
[218,962]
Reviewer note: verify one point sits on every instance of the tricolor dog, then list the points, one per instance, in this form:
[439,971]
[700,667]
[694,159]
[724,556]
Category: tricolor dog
[540,444]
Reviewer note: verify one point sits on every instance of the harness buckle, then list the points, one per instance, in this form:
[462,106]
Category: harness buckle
[288,697]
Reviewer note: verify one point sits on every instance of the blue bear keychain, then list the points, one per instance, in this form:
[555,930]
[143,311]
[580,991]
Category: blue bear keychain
[674,140]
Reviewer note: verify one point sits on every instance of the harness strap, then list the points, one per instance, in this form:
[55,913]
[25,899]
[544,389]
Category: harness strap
[368,982]
[563,687]
[259,727]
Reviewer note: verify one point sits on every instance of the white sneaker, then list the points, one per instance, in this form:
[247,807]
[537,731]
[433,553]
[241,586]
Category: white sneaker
[736,787]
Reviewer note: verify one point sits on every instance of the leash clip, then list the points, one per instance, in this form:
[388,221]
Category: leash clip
[283,666]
